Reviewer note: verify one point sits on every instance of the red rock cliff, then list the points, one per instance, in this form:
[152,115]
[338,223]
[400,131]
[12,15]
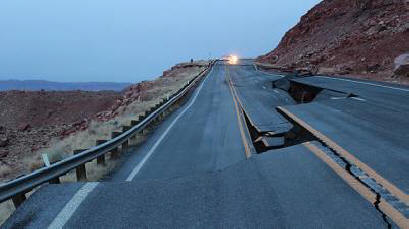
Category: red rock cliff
[361,37]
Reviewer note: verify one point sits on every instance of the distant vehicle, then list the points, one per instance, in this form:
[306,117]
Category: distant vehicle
[232,59]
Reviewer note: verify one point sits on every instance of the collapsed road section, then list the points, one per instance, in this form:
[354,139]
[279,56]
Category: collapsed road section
[276,97]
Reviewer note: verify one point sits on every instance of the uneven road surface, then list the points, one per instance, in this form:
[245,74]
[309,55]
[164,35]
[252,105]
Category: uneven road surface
[200,169]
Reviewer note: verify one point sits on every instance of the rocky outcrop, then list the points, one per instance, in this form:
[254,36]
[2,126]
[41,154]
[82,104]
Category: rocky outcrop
[339,37]
[402,65]
[4,142]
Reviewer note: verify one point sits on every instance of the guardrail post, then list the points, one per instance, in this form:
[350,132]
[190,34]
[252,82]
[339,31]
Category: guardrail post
[115,134]
[80,170]
[141,117]
[55,181]
[157,119]
[115,152]
[47,163]
[134,122]
[101,159]
[126,143]
[18,199]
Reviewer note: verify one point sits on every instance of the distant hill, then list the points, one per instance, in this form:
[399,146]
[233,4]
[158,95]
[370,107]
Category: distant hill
[37,85]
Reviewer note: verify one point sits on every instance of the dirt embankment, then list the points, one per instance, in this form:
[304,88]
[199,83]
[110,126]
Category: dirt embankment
[29,120]
[33,122]
[361,38]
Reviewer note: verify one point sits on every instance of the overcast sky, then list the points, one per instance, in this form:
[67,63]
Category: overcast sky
[132,40]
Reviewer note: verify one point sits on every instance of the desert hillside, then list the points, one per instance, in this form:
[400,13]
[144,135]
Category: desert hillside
[361,38]
[57,122]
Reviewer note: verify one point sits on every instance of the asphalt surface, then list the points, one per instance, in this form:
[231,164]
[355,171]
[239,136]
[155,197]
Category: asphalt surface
[373,127]
[288,188]
[205,139]
[192,173]
[375,136]
[259,99]
[384,95]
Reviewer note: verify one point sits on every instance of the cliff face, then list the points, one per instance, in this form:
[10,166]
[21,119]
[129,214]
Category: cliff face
[362,37]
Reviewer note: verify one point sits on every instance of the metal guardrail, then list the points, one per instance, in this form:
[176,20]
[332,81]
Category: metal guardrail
[17,188]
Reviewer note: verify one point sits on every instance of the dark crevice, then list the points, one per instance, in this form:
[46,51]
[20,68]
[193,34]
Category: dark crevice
[304,93]
[295,136]
[384,216]
[348,166]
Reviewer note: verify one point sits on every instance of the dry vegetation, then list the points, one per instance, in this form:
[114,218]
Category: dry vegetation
[97,130]
[102,130]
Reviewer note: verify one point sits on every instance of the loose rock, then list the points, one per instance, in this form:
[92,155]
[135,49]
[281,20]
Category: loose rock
[402,65]
[4,142]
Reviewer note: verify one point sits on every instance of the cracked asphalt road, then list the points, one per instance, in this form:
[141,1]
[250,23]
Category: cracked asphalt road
[197,176]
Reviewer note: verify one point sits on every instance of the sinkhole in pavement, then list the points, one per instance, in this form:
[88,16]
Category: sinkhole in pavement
[301,93]
[264,141]
[304,93]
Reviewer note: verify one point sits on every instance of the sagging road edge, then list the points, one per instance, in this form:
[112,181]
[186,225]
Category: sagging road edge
[364,191]
[239,113]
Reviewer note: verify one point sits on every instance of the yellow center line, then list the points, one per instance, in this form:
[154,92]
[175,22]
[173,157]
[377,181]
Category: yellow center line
[364,191]
[239,115]
[349,156]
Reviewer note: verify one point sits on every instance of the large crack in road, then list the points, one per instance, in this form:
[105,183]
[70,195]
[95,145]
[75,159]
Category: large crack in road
[301,93]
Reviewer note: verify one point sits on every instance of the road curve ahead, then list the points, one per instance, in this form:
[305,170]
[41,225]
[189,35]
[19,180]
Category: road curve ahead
[193,172]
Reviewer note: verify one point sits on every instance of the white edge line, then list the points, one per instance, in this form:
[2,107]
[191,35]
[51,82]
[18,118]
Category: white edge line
[69,208]
[138,167]
[360,99]
[267,73]
[372,84]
